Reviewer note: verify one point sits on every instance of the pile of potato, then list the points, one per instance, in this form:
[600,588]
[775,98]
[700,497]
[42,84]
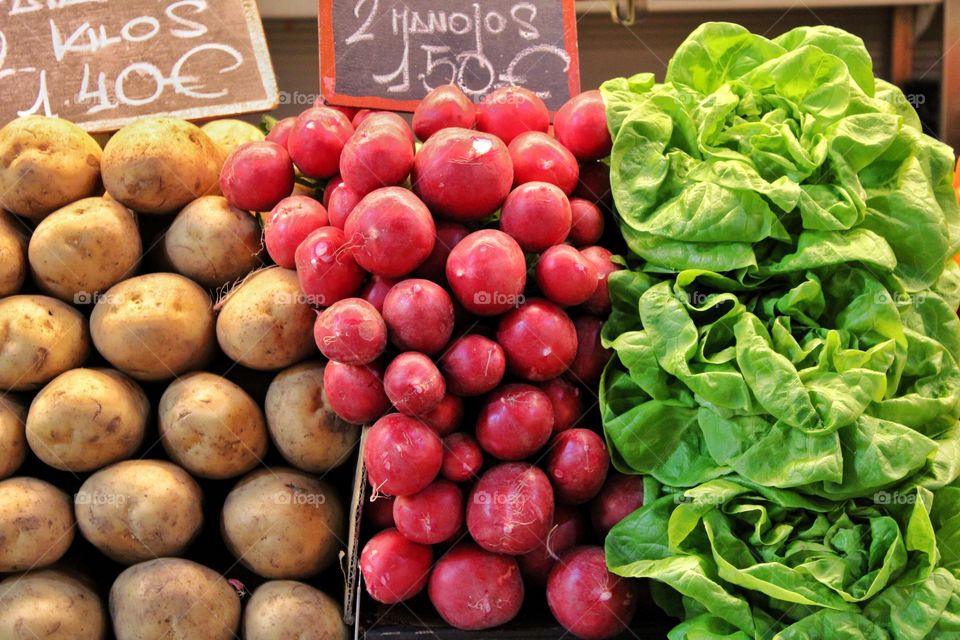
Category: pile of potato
[155,376]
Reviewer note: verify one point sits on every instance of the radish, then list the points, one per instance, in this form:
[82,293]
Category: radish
[379,154]
[620,496]
[332,184]
[391,232]
[463,175]
[511,509]
[588,223]
[592,356]
[594,184]
[419,314]
[567,532]
[565,276]
[581,126]
[539,340]
[351,331]
[388,119]
[487,272]
[444,107]
[257,175]
[565,398]
[376,290]
[349,112]
[379,512]
[537,215]
[538,157]
[599,302]
[462,457]
[355,392]
[289,224]
[401,455]
[430,516]
[394,568]
[414,384]
[446,417]
[577,465]
[473,589]
[325,268]
[588,600]
[449,235]
[473,365]
[343,200]
[515,422]
[280,131]
[509,111]
[361,115]
[316,141]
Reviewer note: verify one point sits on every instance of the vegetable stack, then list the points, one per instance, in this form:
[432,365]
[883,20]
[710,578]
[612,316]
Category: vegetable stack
[786,372]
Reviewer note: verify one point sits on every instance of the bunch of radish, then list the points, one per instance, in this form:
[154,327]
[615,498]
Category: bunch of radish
[462,293]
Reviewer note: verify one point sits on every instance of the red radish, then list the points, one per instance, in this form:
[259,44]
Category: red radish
[577,465]
[599,302]
[379,512]
[414,384]
[316,141]
[537,215]
[257,175]
[588,600]
[361,115]
[394,568]
[588,222]
[325,267]
[581,126]
[446,416]
[280,131]
[349,112]
[402,455]
[594,184]
[567,532]
[376,290]
[487,272]
[355,392]
[538,157]
[510,509]
[379,154]
[389,119]
[431,516]
[592,357]
[539,340]
[620,496]
[472,589]
[515,422]
[510,111]
[449,235]
[391,232]
[473,365]
[332,184]
[565,398]
[462,457]
[289,224]
[419,314]
[463,175]
[565,276]
[351,331]
[444,107]
[343,200]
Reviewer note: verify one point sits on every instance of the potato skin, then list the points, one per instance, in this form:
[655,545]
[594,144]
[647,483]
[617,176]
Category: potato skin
[40,338]
[13,437]
[84,248]
[154,327]
[51,604]
[36,524]
[277,611]
[158,165]
[13,255]
[229,133]
[212,243]
[281,523]
[212,427]
[137,510]
[308,433]
[266,323]
[45,164]
[171,598]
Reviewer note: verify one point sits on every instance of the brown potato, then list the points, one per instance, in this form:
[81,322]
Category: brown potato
[84,248]
[13,254]
[213,243]
[13,438]
[40,338]
[171,598]
[308,433]
[278,610]
[154,327]
[53,605]
[36,524]
[45,164]
[86,419]
[266,323]
[138,510]
[212,427]
[281,523]
[158,165]
[228,134]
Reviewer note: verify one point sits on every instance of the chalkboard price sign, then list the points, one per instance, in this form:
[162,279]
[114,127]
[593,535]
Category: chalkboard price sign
[103,63]
[388,54]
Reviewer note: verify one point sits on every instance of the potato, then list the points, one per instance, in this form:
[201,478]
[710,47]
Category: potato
[173,599]
[138,510]
[84,248]
[213,243]
[308,433]
[266,323]
[154,327]
[159,165]
[45,164]
[86,419]
[13,439]
[228,134]
[13,254]
[277,611]
[53,605]
[40,338]
[212,427]
[36,524]
[281,523]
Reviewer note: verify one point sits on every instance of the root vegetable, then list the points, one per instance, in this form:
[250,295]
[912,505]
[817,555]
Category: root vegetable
[414,384]
[537,215]
[326,267]
[419,314]
[515,422]
[444,107]
[288,224]
[316,141]
[538,157]
[589,601]
[462,457]
[394,568]
[509,111]
[473,589]
[390,232]
[402,455]
[351,331]
[355,392]
[432,515]
[473,365]
[487,272]
[565,276]
[510,509]
[577,465]
[539,340]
